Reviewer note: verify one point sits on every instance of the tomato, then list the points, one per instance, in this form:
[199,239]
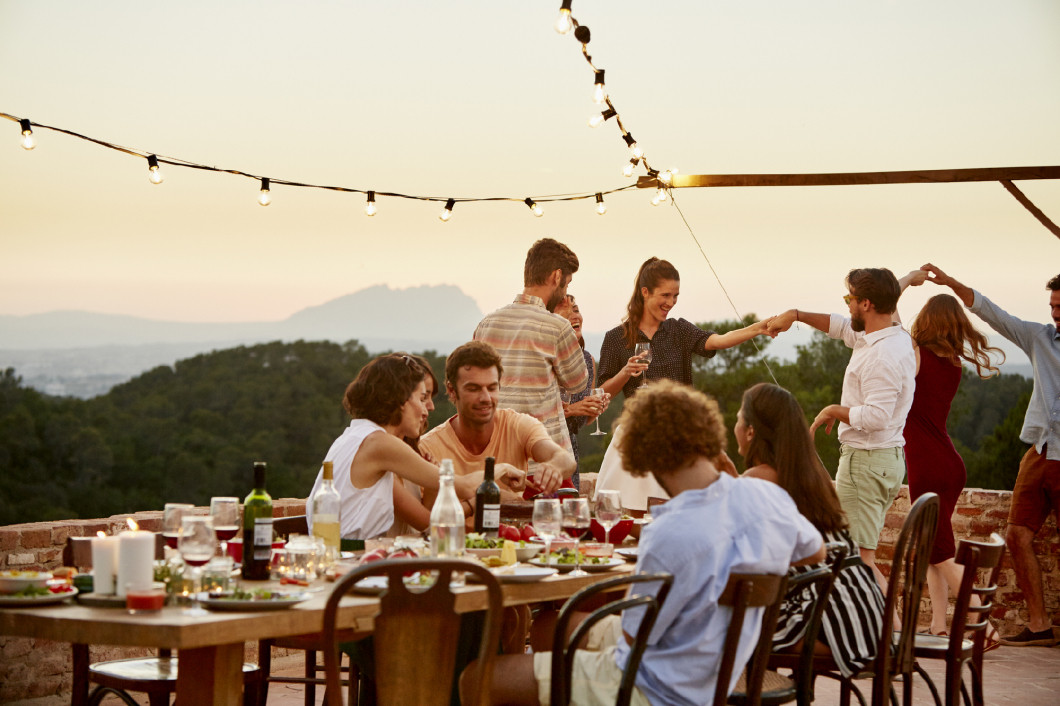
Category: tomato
[374,555]
[528,532]
[402,554]
[509,532]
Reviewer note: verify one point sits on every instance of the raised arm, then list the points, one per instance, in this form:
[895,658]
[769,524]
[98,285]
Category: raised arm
[719,341]
[914,278]
[964,293]
[782,322]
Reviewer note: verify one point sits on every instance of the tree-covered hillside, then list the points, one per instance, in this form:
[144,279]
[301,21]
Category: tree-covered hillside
[186,433]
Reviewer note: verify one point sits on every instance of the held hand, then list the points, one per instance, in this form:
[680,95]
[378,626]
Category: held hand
[934,274]
[634,367]
[780,323]
[589,407]
[510,477]
[548,478]
[917,277]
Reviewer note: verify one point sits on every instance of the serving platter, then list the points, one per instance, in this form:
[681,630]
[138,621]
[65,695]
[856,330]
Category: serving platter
[564,568]
[49,599]
[222,603]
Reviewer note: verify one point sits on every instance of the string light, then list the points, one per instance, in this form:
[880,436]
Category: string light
[264,198]
[533,207]
[598,120]
[598,88]
[666,176]
[633,147]
[446,214]
[601,207]
[563,22]
[152,166]
[369,207]
[627,171]
[28,140]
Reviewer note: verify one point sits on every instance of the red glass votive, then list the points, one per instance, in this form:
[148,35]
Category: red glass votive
[144,601]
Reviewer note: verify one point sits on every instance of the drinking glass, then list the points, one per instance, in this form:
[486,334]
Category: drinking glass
[643,352]
[547,518]
[171,517]
[225,514]
[608,511]
[597,392]
[575,524]
[197,545]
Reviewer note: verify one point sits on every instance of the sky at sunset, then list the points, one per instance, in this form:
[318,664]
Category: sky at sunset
[484,99]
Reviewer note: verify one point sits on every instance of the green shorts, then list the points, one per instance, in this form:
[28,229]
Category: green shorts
[867,483]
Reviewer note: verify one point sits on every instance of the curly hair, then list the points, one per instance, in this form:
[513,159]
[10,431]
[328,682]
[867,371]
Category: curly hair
[668,426]
[944,329]
[878,285]
[1053,285]
[782,441]
[476,354]
[382,387]
[545,257]
[651,274]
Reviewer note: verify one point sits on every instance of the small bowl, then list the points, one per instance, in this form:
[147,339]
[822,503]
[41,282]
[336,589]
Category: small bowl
[528,552]
[557,543]
[597,549]
[618,533]
[14,581]
[483,553]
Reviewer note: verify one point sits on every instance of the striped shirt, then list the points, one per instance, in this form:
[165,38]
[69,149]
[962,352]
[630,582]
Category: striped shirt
[540,354]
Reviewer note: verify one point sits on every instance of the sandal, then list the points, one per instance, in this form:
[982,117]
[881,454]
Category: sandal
[991,640]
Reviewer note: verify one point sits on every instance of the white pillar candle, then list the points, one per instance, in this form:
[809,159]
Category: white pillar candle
[136,561]
[104,563]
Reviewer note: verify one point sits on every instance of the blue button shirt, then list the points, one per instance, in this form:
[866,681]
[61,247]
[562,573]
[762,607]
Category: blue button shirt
[701,536]
[1041,343]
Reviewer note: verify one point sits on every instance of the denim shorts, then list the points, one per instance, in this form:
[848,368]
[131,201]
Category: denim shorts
[867,482]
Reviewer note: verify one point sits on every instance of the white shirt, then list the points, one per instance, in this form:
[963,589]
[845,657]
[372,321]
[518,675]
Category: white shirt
[877,386]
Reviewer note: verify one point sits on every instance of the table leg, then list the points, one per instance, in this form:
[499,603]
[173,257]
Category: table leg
[211,675]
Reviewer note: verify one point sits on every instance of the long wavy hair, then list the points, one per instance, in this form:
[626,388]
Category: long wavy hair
[782,441]
[944,329]
[651,274]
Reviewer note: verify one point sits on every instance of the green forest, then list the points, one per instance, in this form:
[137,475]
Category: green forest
[188,432]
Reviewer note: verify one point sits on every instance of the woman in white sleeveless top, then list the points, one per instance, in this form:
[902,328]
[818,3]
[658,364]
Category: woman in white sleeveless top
[388,402]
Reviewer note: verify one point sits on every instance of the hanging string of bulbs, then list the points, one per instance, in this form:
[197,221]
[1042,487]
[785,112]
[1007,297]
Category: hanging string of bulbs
[565,23]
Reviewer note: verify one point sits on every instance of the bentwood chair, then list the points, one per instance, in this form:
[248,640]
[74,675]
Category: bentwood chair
[905,586]
[564,647]
[958,650]
[156,676]
[416,632]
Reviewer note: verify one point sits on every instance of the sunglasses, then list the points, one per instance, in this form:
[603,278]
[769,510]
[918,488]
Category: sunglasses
[847,298]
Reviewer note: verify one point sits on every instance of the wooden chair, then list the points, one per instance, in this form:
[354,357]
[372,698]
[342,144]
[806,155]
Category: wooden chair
[416,633]
[894,651]
[563,648]
[957,649]
[157,676]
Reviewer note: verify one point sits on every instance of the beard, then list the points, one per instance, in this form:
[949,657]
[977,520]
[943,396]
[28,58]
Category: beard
[857,322]
[554,301]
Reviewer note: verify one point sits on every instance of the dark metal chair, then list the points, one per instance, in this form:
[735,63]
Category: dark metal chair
[416,633]
[563,648]
[957,649]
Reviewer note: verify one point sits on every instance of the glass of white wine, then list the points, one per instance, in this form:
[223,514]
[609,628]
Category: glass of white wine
[547,519]
[598,392]
[643,353]
[608,511]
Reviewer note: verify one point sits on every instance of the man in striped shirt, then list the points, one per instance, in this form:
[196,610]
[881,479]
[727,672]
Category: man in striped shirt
[538,348]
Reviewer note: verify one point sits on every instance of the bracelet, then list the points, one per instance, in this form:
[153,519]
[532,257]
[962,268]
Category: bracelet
[797,315]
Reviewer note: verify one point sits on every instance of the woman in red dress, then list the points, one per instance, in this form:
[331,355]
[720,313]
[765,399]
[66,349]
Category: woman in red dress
[944,337]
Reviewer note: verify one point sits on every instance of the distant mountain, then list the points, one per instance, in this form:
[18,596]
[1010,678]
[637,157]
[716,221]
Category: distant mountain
[84,354]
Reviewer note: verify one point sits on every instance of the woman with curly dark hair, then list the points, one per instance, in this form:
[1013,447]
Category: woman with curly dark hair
[772,435]
[944,337]
[389,395]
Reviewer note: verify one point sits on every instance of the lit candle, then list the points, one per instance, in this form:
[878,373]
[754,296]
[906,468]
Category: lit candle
[136,560]
[104,561]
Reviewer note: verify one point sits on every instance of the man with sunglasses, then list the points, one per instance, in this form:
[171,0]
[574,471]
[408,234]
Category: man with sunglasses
[877,393]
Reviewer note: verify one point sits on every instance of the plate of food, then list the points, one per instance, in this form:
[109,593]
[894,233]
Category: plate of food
[258,599]
[564,561]
[36,595]
[14,580]
[417,583]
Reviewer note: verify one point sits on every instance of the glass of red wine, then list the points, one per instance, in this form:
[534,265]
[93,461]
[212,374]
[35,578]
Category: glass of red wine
[225,514]
[171,517]
[197,545]
[576,525]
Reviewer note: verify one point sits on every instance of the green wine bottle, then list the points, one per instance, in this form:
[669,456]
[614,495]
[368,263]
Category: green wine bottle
[257,529]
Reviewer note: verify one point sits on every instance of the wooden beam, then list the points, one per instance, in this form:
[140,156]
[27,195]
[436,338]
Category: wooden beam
[931,176]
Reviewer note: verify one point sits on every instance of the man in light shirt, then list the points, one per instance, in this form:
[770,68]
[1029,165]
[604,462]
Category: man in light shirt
[877,394]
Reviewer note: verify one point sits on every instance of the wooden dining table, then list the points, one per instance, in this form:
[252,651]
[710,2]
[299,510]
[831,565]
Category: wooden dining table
[211,647]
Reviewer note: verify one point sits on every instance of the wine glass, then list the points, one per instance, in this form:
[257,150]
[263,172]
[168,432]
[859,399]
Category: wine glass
[599,393]
[225,514]
[547,517]
[643,353]
[608,511]
[197,545]
[171,517]
[575,524]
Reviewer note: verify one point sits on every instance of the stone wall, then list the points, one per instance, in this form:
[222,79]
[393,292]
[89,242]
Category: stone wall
[44,679]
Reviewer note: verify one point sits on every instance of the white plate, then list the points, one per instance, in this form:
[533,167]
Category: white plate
[377,584]
[629,553]
[36,600]
[526,574]
[564,568]
[230,604]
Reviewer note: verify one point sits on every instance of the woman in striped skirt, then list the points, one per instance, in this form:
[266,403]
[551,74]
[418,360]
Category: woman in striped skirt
[773,438]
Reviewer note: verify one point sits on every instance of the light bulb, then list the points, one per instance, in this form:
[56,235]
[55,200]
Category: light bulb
[598,87]
[534,207]
[666,176]
[369,207]
[446,214]
[28,140]
[598,120]
[264,198]
[601,207]
[661,195]
[153,173]
[627,170]
[636,150]
[563,23]
[655,200]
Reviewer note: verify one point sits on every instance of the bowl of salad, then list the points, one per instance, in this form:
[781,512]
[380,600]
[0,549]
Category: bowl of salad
[14,580]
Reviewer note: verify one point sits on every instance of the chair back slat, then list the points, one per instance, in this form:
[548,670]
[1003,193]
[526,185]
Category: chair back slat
[416,633]
[974,556]
[745,591]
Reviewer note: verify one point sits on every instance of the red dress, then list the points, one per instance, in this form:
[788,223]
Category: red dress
[933,464]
